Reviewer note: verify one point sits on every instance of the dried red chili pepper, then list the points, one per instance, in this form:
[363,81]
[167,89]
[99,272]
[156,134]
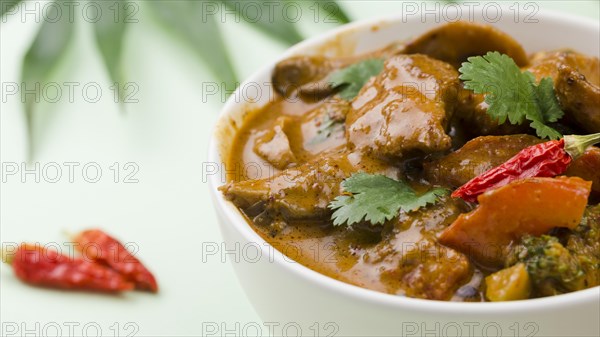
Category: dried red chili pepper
[40,266]
[547,159]
[101,247]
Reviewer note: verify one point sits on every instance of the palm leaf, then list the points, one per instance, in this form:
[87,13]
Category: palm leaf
[189,21]
[110,32]
[43,55]
[7,5]
[333,10]
[268,16]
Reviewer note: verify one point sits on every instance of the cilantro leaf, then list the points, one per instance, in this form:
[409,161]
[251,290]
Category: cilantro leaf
[507,90]
[512,94]
[544,131]
[551,110]
[376,199]
[352,78]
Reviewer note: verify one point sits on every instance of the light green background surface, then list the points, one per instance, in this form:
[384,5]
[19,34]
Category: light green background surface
[168,213]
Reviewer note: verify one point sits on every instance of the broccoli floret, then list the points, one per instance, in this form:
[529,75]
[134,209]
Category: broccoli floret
[551,267]
[584,243]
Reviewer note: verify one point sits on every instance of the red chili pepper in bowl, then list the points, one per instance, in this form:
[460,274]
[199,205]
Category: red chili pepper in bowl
[36,265]
[547,159]
[98,246]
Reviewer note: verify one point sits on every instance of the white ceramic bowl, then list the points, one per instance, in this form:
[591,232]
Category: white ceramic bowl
[291,298]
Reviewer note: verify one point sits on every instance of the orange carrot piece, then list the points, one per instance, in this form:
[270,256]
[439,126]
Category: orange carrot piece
[529,206]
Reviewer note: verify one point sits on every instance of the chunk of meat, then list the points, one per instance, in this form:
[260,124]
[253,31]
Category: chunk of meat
[514,210]
[292,74]
[474,158]
[471,111]
[410,260]
[579,98]
[405,109]
[301,136]
[548,64]
[576,77]
[455,42]
[304,191]
[273,145]
[307,75]
[577,85]
[587,167]
[432,271]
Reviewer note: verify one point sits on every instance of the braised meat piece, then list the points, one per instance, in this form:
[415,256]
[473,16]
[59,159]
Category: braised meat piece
[577,85]
[410,260]
[304,191]
[548,64]
[587,167]
[405,109]
[475,157]
[273,145]
[471,111]
[579,98]
[294,139]
[455,42]
[307,75]
[292,74]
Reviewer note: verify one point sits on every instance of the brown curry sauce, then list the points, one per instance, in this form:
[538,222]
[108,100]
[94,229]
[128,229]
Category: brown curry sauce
[297,164]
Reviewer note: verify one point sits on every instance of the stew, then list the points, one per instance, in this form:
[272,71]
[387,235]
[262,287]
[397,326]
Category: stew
[360,156]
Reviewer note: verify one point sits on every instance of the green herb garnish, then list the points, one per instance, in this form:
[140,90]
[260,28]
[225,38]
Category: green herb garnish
[352,78]
[326,129]
[376,199]
[512,94]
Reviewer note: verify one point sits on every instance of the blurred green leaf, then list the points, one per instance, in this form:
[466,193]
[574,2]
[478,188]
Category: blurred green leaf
[268,16]
[6,5]
[333,10]
[42,57]
[110,31]
[191,21]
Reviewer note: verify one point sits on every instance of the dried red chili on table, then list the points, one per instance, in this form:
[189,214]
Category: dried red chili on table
[40,266]
[101,247]
[547,159]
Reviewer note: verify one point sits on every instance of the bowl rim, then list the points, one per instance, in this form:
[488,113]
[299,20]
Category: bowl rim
[234,217]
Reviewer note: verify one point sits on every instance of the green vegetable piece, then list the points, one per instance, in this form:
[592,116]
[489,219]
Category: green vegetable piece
[551,110]
[352,78]
[41,59]
[110,32]
[377,198]
[551,267]
[576,145]
[512,94]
